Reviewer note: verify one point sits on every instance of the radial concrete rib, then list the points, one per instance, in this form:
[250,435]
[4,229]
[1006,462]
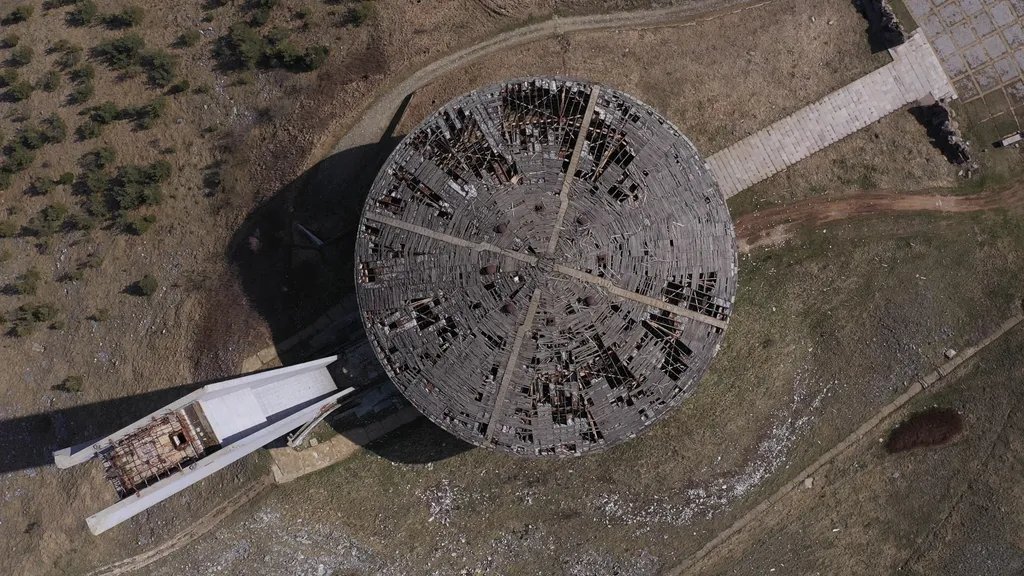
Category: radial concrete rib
[510,368]
[646,300]
[449,239]
[570,173]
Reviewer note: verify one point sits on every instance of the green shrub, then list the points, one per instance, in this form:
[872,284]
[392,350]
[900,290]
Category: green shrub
[84,13]
[71,384]
[50,81]
[42,186]
[126,18]
[9,76]
[8,229]
[54,129]
[57,325]
[137,186]
[303,13]
[11,40]
[81,222]
[23,328]
[104,113]
[138,225]
[5,255]
[241,48]
[146,286]
[66,179]
[160,67]
[75,275]
[40,312]
[147,114]
[21,55]
[98,159]
[30,137]
[18,159]
[21,91]
[203,88]
[362,13]
[19,14]
[181,86]
[47,221]
[120,53]
[82,73]
[92,261]
[188,39]
[208,17]
[27,283]
[71,54]
[5,180]
[101,315]
[82,93]
[89,129]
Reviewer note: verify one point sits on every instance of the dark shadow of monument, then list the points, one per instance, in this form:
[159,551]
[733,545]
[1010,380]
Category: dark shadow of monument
[294,255]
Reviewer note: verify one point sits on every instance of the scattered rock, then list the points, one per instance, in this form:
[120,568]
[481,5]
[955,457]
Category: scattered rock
[950,353]
[809,482]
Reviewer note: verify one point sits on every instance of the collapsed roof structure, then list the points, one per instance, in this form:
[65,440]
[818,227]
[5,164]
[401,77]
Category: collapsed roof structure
[545,267]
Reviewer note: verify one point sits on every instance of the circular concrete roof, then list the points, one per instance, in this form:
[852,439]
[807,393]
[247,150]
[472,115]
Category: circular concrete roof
[530,312]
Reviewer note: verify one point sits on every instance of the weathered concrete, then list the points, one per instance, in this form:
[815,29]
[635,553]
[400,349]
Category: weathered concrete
[914,73]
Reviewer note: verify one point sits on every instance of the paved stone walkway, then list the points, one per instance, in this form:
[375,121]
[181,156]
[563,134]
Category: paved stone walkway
[914,73]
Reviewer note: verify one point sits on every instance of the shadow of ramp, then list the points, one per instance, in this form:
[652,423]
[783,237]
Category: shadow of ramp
[29,441]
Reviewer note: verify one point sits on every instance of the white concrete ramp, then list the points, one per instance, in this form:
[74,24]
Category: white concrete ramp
[914,73]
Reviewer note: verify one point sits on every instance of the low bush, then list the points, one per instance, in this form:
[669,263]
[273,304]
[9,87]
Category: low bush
[146,115]
[137,186]
[54,129]
[9,76]
[137,225]
[160,67]
[188,39]
[931,427]
[70,57]
[82,73]
[129,16]
[101,315]
[21,55]
[8,229]
[104,113]
[146,286]
[66,179]
[18,158]
[88,130]
[47,221]
[82,93]
[27,283]
[120,53]
[98,159]
[81,222]
[180,87]
[50,81]
[84,13]
[21,91]
[72,384]
[10,40]
[19,14]
[42,186]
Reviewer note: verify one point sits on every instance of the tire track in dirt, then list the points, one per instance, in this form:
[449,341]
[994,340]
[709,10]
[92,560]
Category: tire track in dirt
[188,535]
[773,226]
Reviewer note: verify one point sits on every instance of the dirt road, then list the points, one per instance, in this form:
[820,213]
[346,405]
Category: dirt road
[773,226]
[376,117]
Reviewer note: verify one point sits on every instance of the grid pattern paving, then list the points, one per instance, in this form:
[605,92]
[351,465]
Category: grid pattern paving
[545,267]
[913,74]
[980,42]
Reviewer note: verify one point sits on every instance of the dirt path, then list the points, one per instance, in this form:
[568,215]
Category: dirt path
[773,226]
[377,115]
[190,534]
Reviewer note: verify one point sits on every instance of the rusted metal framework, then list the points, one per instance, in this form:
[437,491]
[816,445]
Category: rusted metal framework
[545,267]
